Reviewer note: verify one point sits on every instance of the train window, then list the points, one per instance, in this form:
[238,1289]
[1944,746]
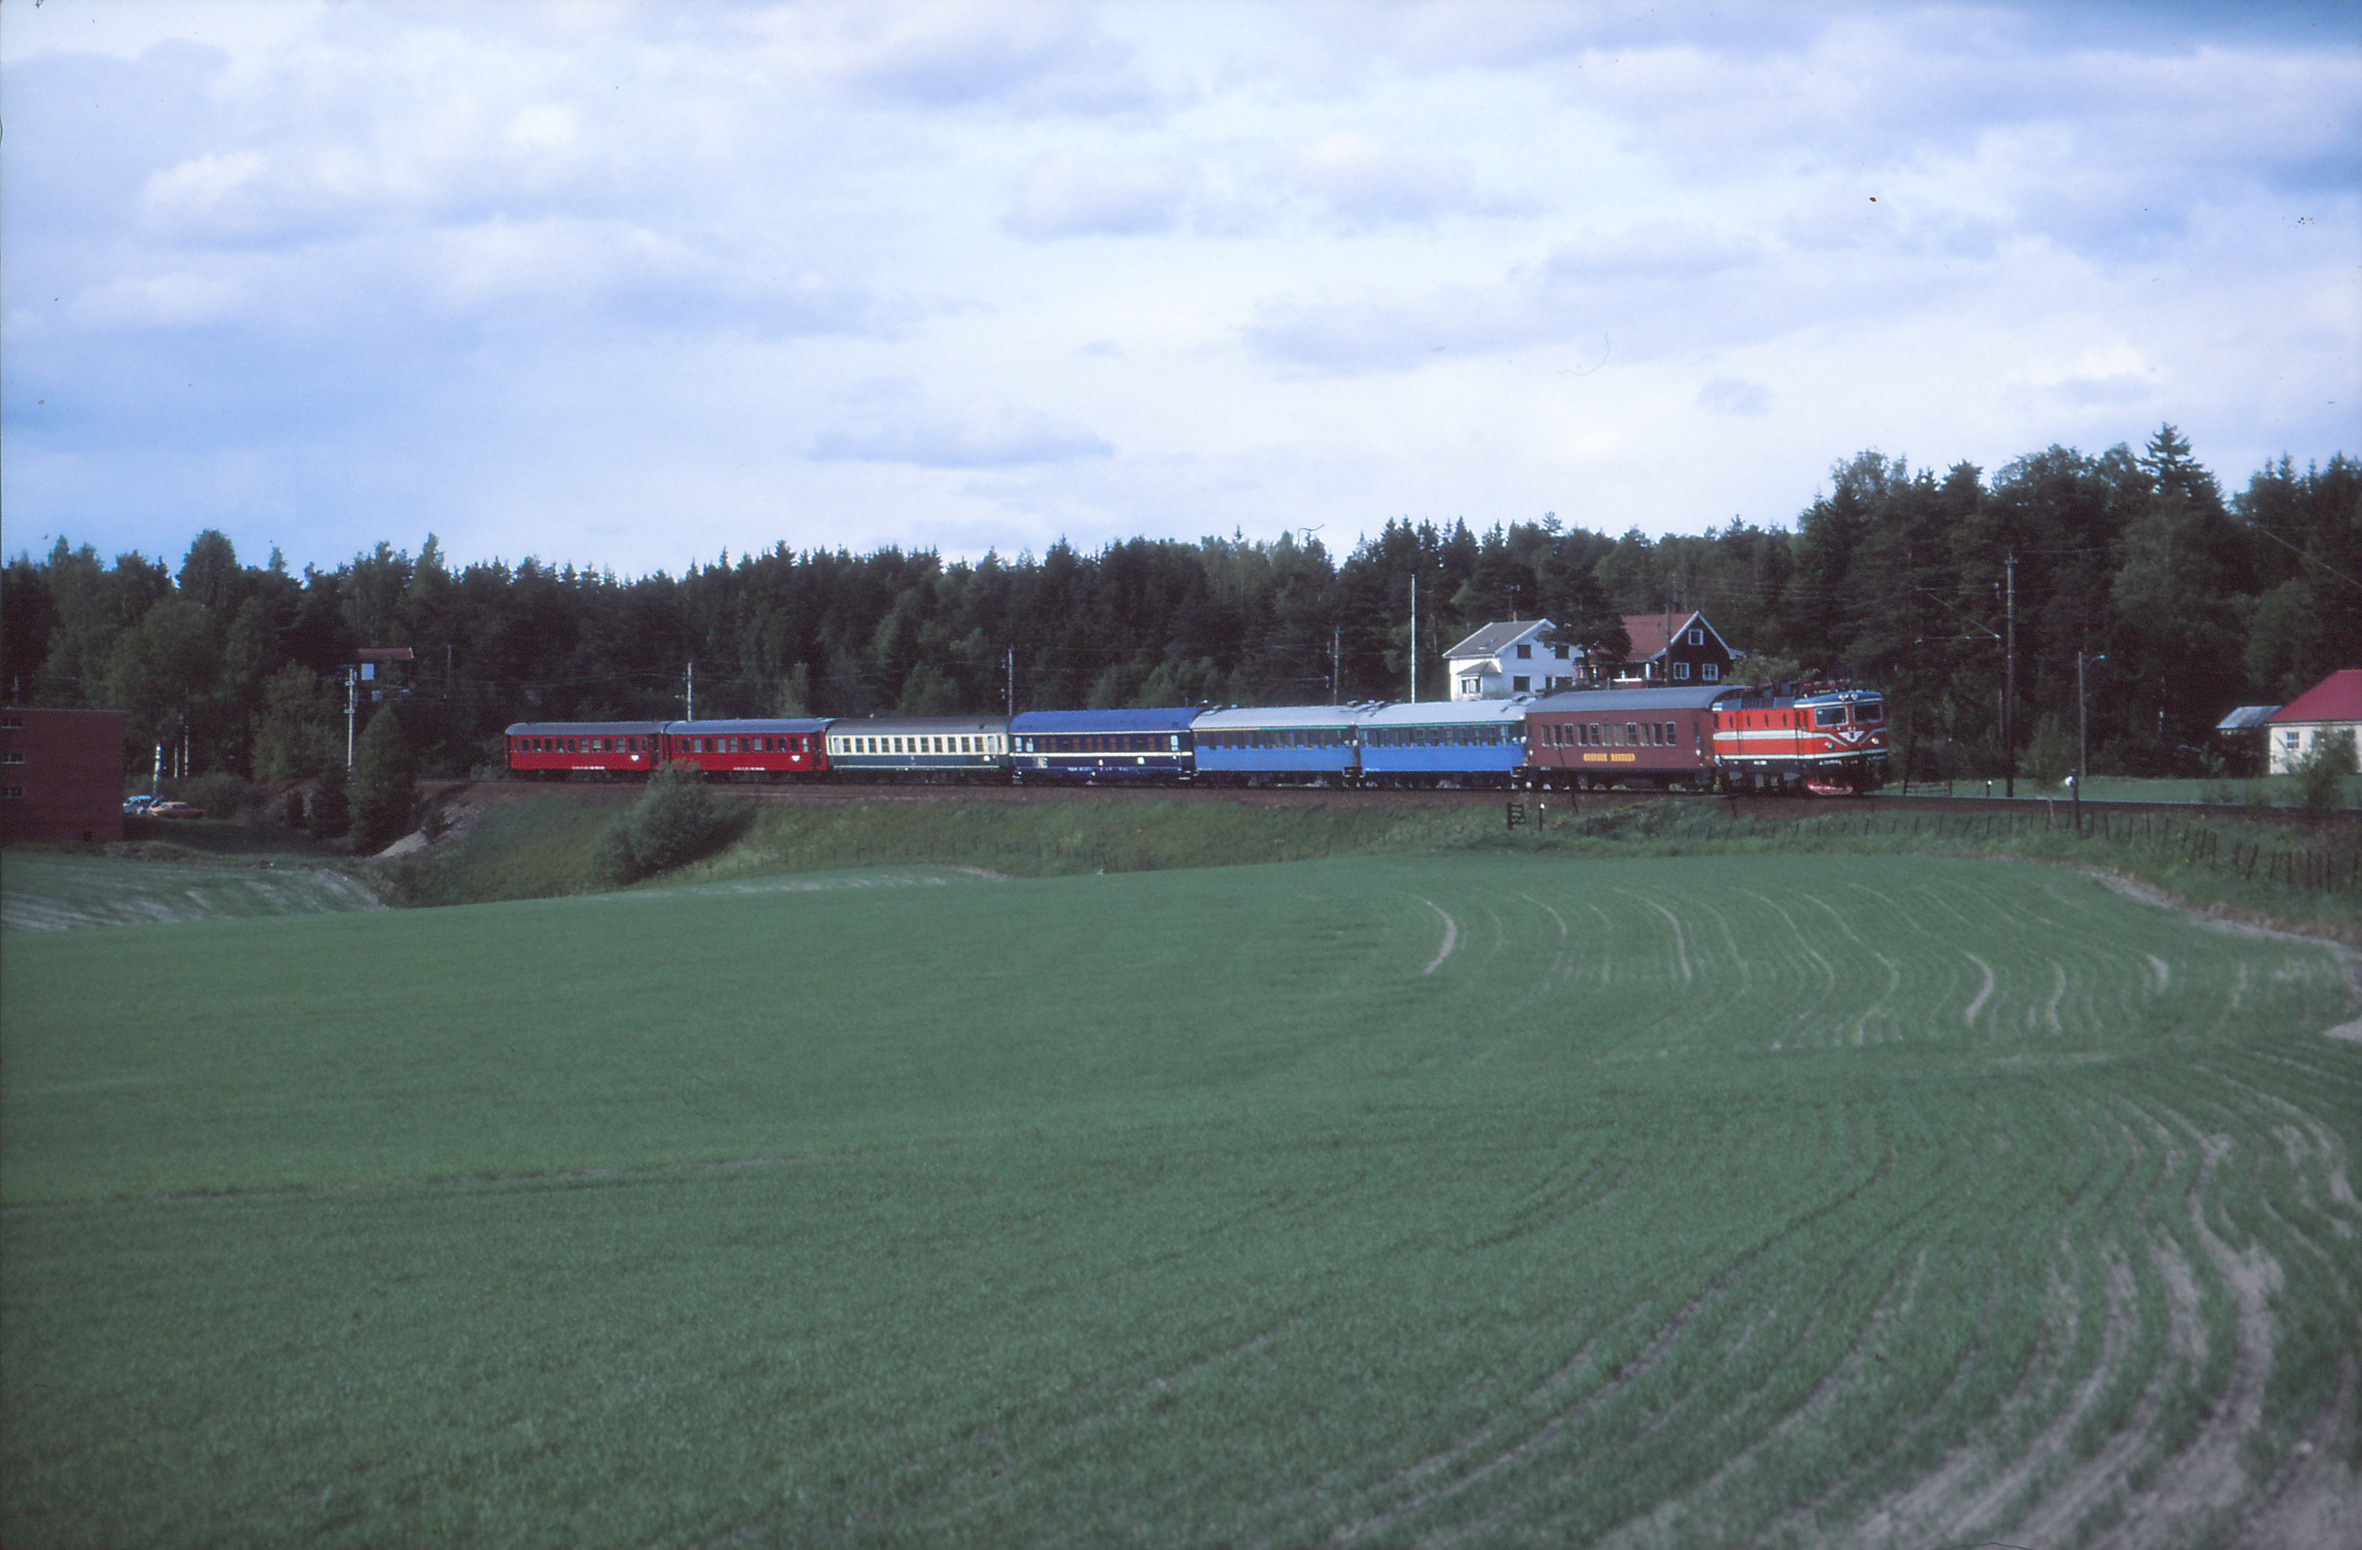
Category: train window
[1829,716]
[1631,735]
[1869,712]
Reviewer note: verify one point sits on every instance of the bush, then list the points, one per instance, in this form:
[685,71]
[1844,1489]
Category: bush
[675,822]
[2050,753]
[221,794]
[2321,773]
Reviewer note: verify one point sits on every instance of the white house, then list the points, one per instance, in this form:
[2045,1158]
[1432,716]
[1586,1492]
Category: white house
[2330,708]
[1510,658]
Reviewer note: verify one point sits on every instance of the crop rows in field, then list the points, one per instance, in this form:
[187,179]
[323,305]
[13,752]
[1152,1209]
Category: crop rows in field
[1458,1200]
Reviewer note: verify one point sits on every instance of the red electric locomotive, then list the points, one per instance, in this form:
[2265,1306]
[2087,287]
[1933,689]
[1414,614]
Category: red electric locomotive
[1826,736]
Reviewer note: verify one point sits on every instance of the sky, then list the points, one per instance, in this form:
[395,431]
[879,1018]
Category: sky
[636,286]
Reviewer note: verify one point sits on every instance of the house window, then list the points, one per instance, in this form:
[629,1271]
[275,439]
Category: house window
[1712,672]
[13,756]
[1520,685]
[1680,670]
[1524,652]
[1697,637]
[14,793]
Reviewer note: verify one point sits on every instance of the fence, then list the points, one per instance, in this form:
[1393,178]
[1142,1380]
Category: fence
[2328,868]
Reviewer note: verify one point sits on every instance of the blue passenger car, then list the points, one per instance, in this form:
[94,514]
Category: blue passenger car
[1281,745]
[1147,747]
[1445,743]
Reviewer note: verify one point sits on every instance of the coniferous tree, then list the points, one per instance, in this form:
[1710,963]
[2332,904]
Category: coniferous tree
[385,784]
[331,807]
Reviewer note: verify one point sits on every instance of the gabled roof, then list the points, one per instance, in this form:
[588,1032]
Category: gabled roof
[1650,635]
[2335,698]
[2246,718]
[1495,638]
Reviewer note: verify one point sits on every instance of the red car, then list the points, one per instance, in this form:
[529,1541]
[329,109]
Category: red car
[175,810]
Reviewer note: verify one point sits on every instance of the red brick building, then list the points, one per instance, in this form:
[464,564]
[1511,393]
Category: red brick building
[61,774]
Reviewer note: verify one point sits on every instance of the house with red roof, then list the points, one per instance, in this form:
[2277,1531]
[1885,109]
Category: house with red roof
[2331,708]
[1673,649]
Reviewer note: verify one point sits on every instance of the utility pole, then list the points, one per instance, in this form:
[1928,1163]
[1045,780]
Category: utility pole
[2082,735]
[689,700]
[1414,637]
[1336,660]
[352,708]
[1012,692]
[2009,693]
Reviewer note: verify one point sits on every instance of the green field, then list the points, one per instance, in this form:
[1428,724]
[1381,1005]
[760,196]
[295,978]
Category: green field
[1472,1198]
[63,890]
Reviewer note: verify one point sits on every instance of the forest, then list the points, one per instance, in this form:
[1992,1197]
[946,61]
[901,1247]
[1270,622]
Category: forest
[2179,602]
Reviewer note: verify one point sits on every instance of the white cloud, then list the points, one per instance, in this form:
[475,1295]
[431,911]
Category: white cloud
[1042,56]
[897,425]
[621,282]
[1728,395]
[1365,182]
[1060,195]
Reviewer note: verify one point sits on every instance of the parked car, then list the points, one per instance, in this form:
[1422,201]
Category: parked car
[137,807]
[175,810]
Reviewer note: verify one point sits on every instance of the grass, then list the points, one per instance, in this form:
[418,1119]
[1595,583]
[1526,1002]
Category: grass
[547,847]
[54,890]
[1539,1196]
[2214,791]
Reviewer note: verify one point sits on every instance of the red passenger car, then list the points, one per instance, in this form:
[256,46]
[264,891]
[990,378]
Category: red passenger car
[1589,738]
[554,750]
[756,749]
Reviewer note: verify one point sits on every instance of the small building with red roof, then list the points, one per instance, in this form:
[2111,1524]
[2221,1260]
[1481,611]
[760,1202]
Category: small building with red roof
[2331,708]
[1680,650]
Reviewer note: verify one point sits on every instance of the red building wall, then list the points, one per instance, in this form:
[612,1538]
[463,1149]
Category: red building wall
[61,774]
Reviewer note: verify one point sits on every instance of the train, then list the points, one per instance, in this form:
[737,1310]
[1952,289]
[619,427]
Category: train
[1819,736]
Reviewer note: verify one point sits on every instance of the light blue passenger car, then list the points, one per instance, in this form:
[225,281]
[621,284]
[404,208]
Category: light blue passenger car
[1281,745]
[1464,743]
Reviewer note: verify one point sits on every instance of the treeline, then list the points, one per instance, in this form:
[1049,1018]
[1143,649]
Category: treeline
[2184,604]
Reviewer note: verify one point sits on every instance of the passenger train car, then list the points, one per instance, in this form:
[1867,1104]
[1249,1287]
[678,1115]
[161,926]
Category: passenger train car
[1092,747]
[1622,737]
[1825,737]
[735,748]
[1281,745]
[938,748]
[553,750]
[1460,742]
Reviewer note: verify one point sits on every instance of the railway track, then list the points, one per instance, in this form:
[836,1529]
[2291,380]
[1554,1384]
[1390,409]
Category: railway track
[831,794]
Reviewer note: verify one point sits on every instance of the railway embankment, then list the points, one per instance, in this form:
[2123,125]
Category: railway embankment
[2279,867]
